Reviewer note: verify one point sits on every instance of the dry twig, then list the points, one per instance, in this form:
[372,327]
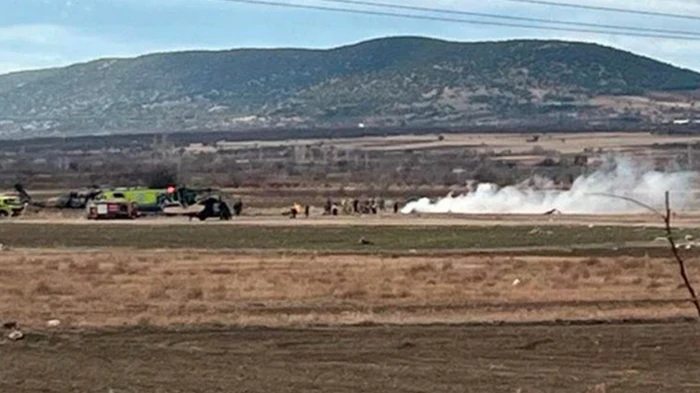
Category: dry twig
[666,217]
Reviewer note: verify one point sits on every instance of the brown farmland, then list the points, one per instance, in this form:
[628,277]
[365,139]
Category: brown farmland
[647,358]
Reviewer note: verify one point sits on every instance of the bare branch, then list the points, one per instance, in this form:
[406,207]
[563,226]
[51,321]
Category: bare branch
[632,200]
[669,236]
[681,262]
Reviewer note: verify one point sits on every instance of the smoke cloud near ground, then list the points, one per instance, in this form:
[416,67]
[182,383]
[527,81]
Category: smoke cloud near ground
[618,176]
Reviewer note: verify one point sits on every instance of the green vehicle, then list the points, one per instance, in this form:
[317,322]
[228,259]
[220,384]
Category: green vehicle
[153,200]
[10,206]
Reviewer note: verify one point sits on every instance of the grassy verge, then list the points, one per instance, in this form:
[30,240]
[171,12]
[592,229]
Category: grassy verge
[319,238]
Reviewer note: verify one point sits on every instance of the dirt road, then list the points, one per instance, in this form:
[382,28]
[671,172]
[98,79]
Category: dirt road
[648,358]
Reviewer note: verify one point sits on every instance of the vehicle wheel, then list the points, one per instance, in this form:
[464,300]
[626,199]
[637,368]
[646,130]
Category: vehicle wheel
[3,214]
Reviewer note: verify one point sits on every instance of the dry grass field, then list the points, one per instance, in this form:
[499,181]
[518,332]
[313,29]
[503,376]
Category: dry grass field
[114,287]
[165,272]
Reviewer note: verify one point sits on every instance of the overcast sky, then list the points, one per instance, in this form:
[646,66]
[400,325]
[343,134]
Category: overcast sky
[43,33]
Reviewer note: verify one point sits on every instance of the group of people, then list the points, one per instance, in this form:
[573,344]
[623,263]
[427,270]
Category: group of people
[347,207]
[357,206]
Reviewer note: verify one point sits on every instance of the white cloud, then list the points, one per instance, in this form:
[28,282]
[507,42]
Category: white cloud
[11,61]
[34,46]
[49,45]
[6,67]
[32,34]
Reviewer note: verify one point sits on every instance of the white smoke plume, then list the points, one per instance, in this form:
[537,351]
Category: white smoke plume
[618,176]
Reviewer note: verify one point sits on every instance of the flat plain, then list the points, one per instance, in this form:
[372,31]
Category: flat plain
[206,307]
[387,303]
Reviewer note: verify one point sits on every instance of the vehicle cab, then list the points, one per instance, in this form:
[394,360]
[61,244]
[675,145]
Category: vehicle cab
[10,206]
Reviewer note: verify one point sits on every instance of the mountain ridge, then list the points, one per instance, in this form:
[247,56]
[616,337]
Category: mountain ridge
[342,47]
[392,81]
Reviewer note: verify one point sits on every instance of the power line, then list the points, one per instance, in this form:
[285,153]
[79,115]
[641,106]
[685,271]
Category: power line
[463,21]
[509,17]
[608,9]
